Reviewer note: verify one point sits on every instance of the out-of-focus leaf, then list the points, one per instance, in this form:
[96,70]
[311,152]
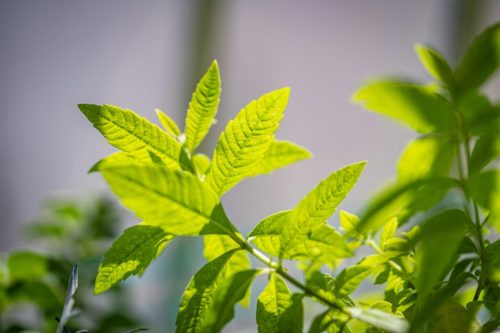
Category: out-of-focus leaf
[436,65]
[433,259]
[26,265]
[479,114]
[403,200]
[380,319]
[415,106]
[486,149]
[485,188]
[481,60]
[69,303]
[452,317]
[427,156]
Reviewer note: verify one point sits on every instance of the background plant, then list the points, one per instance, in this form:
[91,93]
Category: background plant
[445,173]
[67,230]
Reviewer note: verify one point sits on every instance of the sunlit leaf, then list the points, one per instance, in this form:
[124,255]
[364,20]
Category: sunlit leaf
[380,319]
[132,133]
[436,65]
[168,123]
[203,107]
[130,254]
[245,140]
[176,201]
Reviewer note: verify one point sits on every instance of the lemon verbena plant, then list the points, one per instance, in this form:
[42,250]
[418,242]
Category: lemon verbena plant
[432,232]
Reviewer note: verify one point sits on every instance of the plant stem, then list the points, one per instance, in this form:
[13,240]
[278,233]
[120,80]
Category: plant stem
[284,274]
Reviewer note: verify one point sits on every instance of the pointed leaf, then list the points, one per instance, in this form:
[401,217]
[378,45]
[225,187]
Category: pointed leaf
[433,259]
[203,107]
[424,157]
[245,140]
[208,302]
[216,245]
[272,303]
[130,254]
[132,134]
[317,206]
[486,149]
[168,123]
[267,234]
[436,65]
[280,154]
[481,59]
[201,163]
[414,105]
[176,201]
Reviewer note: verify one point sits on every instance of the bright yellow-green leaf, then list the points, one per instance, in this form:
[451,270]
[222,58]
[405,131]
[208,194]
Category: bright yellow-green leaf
[216,245]
[203,107]
[132,133]
[388,231]
[436,65]
[317,206]
[415,106]
[267,234]
[208,302]
[130,254]
[245,140]
[168,123]
[274,301]
[201,164]
[323,243]
[425,157]
[176,201]
[481,59]
[280,154]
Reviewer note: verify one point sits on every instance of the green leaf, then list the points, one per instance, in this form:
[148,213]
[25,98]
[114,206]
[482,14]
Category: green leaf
[436,65]
[388,231]
[176,201]
[485,189]
[486,149]
[280,154]
[479,114]
[492,261]
[433,259]
[115,160]
[415,106]
[168,123]
[130,254]
[208,302]
[329,321]
[201,164]
[274,301]
[316,207]
[425,157]
[403,200]
[481,60]
[203,107]
[322,284]
[245,140]
[267,233]
[26,265]
[323,243]
[349,223]
[351,277]
[132,133]
[452,317]
[216,245]
[380,319]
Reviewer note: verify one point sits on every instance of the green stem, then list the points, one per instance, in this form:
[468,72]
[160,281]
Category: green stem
[284,274]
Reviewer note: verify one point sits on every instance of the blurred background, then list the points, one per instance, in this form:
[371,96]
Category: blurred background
[144,55]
